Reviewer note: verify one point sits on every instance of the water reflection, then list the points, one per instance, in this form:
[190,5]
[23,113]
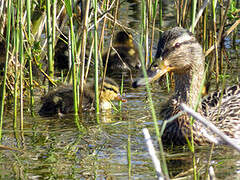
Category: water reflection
[59,149]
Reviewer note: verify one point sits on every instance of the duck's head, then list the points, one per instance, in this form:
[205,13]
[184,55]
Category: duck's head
[109,91]
[178,52]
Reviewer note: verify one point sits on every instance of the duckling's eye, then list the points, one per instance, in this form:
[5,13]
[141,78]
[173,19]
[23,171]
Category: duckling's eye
[177,45]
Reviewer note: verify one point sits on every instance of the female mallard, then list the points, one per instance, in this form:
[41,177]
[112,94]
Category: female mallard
[60,101]
[124,55]
[182,54]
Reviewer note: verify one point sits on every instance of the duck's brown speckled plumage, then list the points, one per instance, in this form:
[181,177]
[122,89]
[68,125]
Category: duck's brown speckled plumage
[182,55]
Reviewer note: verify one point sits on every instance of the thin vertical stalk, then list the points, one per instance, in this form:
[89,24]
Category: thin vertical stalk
[96,60]
[215,38]
[194,7]
[178,12]
[129,151]
[50,43]
[21,62]
[83,52]
[74,78]
[184,13]
[111,39]
[54,12]
[30,56]
[153,112]
[68,6]
[6,66]
[153,28]
[121,92]
[160,16]
[103,27]
[145,30]
[205,19]
[15,52]
[143,18]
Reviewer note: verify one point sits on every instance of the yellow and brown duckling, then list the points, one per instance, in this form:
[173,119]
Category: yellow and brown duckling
[60,100]
[124,55]
[179,52]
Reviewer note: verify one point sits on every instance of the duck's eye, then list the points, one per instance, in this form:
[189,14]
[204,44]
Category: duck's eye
[177,45]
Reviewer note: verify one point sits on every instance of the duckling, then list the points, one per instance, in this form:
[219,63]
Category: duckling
[124,55]
[60,100]
[61,60]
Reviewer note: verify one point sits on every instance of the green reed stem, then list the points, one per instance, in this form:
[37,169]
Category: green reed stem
[129,151]
[30,56]
[74,77]
[121,93]
[16,52]
[153,28]
[215,38]
[209,161]
[83,51]
[50,43]
[160,16]
[96,60]
[3,88]
[194,7]
[54,12]
[164,164]
[143,16]
[21,62]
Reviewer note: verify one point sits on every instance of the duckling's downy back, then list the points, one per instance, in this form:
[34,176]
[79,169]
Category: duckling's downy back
[60,100]
[124,56]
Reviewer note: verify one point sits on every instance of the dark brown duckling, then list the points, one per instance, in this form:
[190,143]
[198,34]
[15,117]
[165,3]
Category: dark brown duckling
[61,60]
[124,55]
[60,100]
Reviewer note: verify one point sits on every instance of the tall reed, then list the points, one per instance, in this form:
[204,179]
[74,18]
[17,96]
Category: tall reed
[153,112]
[31,95]
[50,42]
[21,59]
[83,49]
[3,86]
[68,6]
[96,58]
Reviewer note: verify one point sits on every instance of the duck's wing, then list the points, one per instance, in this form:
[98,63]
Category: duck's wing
[223,109]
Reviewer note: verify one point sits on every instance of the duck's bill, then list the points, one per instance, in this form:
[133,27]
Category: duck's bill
[119,98]
[153,73]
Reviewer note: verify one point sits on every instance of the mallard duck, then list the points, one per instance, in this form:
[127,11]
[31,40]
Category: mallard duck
[179,52]
[60,100]
[124,55]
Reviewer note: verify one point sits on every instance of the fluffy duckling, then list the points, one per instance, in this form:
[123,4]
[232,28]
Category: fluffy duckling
[124,55]
[60,100]
[61,60]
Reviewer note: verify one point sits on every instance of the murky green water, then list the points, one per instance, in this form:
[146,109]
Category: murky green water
[51,148]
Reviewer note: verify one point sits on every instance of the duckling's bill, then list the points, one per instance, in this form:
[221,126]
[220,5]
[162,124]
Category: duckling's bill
[119,98]
[155,71]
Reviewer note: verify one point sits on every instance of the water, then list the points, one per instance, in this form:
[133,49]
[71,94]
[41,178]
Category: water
[52,148]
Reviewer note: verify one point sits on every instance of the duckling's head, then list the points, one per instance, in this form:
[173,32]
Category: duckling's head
[178,51]
[125,56]
[109,91]
[124,38]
